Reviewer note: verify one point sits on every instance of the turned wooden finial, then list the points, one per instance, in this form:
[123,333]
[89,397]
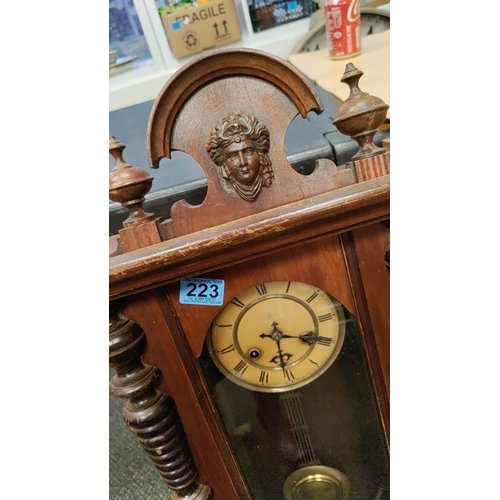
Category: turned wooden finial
[360,115]
[128,185]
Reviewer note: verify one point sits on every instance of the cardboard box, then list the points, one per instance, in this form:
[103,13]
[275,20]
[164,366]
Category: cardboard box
[198,28]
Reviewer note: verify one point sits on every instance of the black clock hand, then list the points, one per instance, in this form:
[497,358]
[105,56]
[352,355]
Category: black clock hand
[276,335]
[311,338]
[307,337]
[283,336]
[280,354]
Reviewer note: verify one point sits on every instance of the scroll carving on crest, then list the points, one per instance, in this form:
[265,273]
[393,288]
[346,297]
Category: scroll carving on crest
[239,146]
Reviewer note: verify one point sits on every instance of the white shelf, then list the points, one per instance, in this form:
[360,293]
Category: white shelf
[144,83]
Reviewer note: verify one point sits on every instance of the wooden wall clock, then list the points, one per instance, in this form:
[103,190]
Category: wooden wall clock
[250,334]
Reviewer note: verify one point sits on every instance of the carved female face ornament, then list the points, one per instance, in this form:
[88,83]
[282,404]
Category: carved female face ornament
[243,161]
[239,146]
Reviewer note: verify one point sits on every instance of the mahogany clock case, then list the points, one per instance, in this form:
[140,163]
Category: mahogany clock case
[324,230]
[342,408]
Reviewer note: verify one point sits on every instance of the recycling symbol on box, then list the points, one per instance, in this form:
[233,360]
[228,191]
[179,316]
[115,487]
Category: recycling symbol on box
[191,41]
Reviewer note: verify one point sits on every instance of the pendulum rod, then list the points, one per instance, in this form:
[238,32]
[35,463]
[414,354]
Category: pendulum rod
[291,401]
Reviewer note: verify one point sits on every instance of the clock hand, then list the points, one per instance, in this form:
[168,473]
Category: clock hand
[312,338]
[308,337]
[280,354]
[282,336]
[276,335]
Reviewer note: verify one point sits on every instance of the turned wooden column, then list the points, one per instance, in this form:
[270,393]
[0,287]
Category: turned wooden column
[150,413]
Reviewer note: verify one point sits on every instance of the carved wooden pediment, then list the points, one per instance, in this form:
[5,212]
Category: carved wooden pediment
[244,99]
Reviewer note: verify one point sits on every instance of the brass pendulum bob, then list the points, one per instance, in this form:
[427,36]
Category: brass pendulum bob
[312,481]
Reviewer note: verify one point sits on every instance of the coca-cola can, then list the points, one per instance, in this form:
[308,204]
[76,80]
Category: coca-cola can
[343,28]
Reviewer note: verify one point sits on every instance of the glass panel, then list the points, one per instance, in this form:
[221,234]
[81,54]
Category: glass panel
[326,434]
[128,48]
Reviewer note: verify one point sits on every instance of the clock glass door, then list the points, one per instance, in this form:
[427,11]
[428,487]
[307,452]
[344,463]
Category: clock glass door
[285,365]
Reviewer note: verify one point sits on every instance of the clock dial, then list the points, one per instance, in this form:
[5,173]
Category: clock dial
[277,336]
[374,21]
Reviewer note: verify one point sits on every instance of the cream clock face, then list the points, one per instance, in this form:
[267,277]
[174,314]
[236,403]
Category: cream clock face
[277,336]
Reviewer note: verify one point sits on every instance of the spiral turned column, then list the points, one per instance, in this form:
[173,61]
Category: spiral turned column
[149,412]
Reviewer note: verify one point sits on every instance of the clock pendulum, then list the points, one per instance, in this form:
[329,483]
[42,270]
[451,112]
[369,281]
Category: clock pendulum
[312,480]
[303,333]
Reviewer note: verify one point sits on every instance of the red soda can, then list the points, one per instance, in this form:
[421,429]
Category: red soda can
[343,28]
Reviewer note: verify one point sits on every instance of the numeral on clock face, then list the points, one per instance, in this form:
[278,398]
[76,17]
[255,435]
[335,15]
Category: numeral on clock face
[241,367]
[264,377]
[227,349]
[261,289]
[237,302]
[326,341]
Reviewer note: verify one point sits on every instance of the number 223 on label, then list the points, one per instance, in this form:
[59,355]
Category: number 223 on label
[202,291]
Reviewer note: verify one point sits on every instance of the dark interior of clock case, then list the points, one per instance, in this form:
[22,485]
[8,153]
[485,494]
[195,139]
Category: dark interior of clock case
[339,423]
